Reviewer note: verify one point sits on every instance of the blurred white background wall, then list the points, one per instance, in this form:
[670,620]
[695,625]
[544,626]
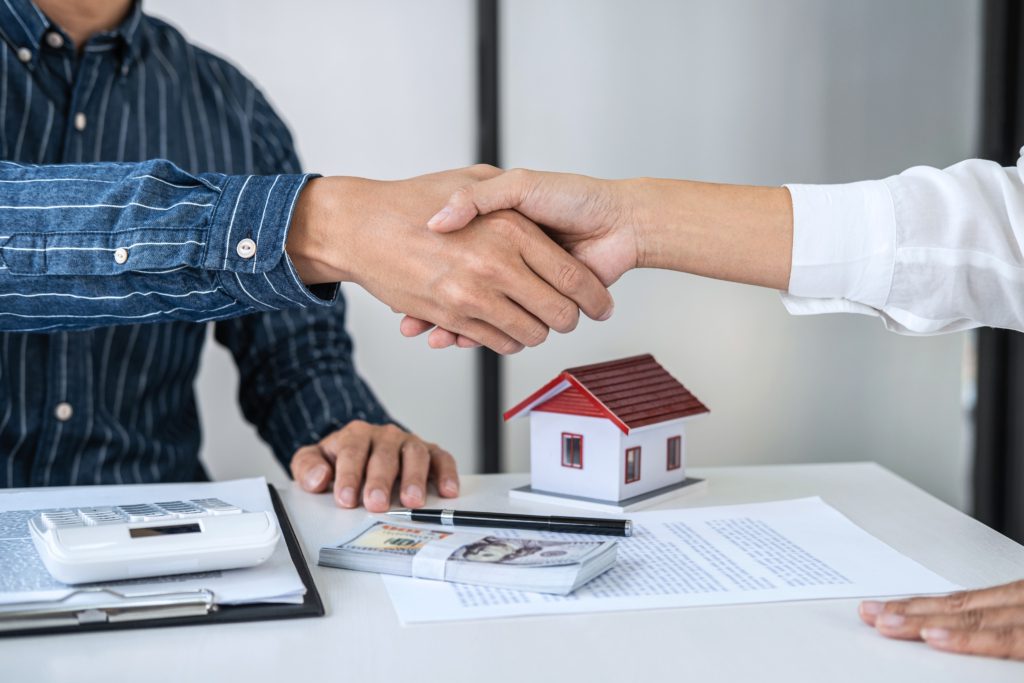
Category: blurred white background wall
[730,90]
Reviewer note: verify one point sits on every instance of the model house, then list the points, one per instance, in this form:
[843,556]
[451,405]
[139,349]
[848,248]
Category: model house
[611,432]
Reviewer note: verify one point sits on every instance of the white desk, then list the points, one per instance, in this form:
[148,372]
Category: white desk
[360,639]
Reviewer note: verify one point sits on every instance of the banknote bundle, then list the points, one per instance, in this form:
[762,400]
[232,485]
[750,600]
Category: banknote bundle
[526,564]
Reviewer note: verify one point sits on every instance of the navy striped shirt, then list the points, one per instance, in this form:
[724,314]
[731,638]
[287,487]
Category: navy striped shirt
[146,187]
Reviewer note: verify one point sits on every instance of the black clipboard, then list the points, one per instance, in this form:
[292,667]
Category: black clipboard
[311,605]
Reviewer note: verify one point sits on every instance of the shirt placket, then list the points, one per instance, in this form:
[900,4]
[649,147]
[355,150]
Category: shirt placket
[65,410]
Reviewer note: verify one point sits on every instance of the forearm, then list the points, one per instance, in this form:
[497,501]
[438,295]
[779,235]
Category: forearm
[100,244]
[729,232]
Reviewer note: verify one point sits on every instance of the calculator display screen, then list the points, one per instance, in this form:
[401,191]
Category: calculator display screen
[147,531]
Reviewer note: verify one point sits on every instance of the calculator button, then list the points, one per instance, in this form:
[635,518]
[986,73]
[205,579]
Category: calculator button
[216,506]
[143,512]
[181,508]
[93,516]
[60,518]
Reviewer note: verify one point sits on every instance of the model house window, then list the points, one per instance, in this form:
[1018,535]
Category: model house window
[632,464]
[572,450]
[675,453]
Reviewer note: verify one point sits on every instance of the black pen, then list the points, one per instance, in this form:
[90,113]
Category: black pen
[570,525]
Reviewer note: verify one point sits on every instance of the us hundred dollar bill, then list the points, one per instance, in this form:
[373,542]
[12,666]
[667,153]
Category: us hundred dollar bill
[395,539]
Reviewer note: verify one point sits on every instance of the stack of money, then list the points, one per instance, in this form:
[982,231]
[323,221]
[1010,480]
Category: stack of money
[526,564]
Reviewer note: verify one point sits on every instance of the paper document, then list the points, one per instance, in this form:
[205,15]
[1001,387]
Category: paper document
[24,578]
[765,552]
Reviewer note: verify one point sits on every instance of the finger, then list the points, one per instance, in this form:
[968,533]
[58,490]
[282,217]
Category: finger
[415,468]
[566,274]
[311,469]
[350,448]
[490,336]
[910,626]
[506,191]
[513,319]
[441,338]
[413,327]
[466,342]
[1007,643]
[444,472]
[382,468]
[996,596]
[556,311]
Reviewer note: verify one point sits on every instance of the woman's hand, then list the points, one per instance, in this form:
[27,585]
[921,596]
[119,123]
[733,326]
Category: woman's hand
[986,622]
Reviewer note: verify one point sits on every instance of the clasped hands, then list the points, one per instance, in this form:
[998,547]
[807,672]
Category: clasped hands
[495,279]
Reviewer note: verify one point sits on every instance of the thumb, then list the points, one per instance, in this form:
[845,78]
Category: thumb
[505,191]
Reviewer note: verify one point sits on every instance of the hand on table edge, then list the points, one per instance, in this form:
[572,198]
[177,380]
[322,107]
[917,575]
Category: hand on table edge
[987,621]
[367,457]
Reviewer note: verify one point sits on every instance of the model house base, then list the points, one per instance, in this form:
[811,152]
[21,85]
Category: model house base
[687,486]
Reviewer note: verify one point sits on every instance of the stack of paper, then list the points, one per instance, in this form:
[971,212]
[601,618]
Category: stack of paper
[24,578]
[765,552]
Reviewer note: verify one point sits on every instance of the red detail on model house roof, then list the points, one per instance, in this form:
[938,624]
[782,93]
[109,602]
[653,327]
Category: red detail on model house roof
[631,392]
[572,401]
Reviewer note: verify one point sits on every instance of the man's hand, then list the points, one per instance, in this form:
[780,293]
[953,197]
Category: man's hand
[499,280]
[370,458]
[982,622]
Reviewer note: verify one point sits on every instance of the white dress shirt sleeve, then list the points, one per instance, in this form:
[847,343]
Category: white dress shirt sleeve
[928,250]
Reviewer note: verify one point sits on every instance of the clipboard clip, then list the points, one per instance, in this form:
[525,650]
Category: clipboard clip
[102,605]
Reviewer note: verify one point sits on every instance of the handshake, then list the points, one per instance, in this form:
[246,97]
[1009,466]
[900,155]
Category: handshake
[478,255]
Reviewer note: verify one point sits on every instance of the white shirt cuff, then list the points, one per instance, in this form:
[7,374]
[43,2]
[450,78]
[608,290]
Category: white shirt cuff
[844,246]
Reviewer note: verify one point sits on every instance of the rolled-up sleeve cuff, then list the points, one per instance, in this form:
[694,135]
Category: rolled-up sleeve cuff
[844,248]
[247,242]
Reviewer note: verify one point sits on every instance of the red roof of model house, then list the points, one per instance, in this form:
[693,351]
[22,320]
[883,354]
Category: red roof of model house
[631,392]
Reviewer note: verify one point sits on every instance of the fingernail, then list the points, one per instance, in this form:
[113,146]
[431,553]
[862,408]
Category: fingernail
[936,636]
[377,498]
[348,497]
[871,607]
[414,494]
[450,487]
[608,314]
[439,217]
[315,476]
[891,620]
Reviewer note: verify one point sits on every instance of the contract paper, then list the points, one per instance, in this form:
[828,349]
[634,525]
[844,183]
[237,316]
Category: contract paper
[24,578]
[765,552]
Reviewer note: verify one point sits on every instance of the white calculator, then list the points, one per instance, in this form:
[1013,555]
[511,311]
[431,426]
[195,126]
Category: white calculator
[88,544]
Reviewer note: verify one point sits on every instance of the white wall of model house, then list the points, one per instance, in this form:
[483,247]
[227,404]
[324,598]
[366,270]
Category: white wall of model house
[604,446]
[653,443]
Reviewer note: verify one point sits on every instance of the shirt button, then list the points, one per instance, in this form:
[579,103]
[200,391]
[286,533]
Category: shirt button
[80,121]
[63,411]
[24,55]
[55,40]
[246,248]
[120,255]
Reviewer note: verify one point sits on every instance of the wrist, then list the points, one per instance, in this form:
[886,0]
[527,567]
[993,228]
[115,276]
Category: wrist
[321,238]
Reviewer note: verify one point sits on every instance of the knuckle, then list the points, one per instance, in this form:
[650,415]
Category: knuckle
[536,336]
[972,619]
[457,296]
[483,171]
[569,278]
[567,317]
[957,602]
[508,347]
[895,607]
[1005,641]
